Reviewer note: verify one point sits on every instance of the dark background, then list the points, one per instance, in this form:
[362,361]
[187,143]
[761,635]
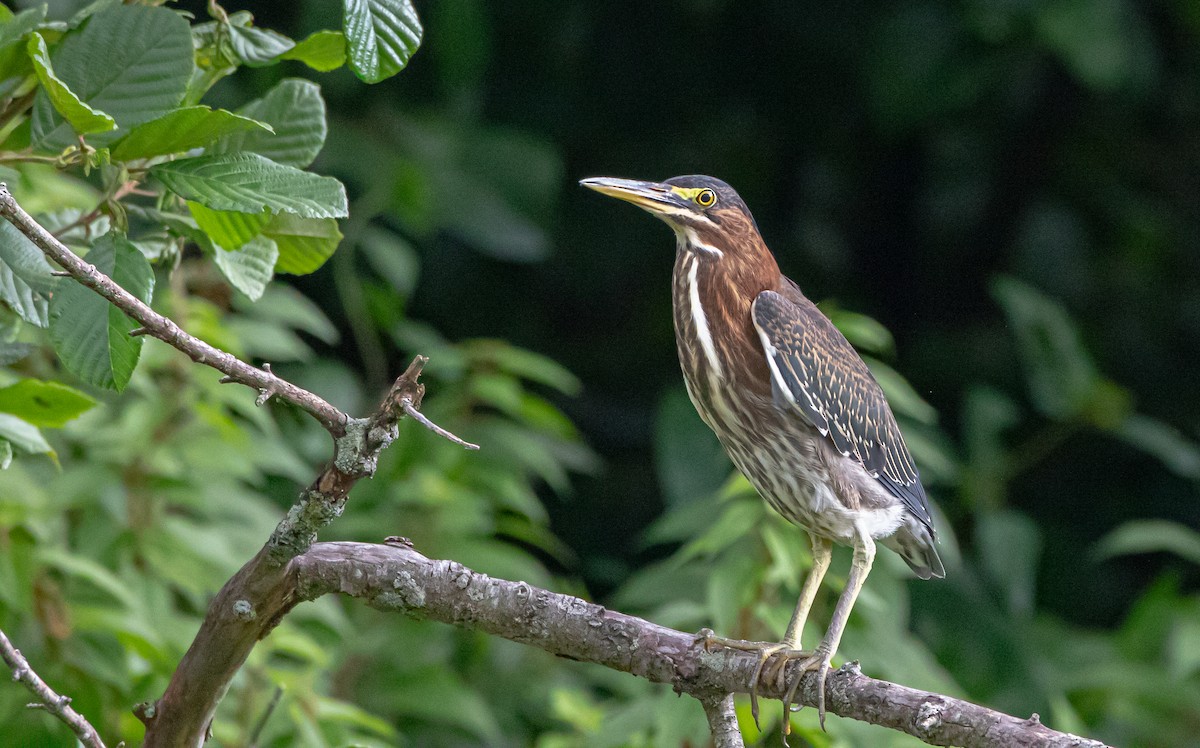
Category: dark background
[897,158]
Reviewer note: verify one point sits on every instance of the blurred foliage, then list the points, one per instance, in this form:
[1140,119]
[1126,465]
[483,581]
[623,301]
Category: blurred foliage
[1008,188]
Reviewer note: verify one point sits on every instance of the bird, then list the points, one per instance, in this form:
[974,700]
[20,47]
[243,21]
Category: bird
[792,403]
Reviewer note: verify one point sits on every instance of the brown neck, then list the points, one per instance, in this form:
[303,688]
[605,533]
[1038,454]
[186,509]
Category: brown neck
[712,297]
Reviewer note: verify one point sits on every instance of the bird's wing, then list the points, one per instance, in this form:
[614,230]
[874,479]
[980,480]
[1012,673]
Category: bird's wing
[815,371]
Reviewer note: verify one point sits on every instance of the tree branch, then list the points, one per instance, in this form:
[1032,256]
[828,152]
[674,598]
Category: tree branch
[395,577]
[292,567]
[255,599]
[59,706]
[722,721]
[158,326]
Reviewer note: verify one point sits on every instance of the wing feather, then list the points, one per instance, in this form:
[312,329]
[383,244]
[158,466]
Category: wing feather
[816,373]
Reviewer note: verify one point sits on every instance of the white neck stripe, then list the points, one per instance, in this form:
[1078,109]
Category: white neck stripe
[701,320]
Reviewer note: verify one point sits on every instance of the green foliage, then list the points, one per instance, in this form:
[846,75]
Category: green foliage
[90,335]
[380,37]
[1036,149]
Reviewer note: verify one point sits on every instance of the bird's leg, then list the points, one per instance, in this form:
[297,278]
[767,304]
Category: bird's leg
[819,660]
[822,551]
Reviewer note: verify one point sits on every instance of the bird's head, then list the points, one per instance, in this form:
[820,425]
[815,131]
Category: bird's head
[707,215]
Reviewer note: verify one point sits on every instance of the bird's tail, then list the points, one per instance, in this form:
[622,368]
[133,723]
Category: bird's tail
[915,544]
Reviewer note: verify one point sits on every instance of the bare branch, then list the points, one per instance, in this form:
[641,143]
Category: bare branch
[395,577]
[59,706]
[423,419]
[158,326]
[254,600]
[722,721]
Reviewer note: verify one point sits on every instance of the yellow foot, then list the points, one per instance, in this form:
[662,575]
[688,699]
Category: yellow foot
[767,650]
[816,661]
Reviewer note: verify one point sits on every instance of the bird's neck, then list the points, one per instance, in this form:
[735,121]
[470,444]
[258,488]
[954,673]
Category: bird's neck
[713,291]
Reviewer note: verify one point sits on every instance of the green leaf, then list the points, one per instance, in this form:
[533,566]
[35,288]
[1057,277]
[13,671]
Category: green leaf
[249,268]
[865,333]
[25,279]
[14,62]
[89,571]
[323,51]
[1062,377]
[89,334]
[393,258]
[250,183]
[296,111]
[182,130]
[227,228]
[284,305]
[23,435]
[690,462]
[15,28]
[82,118]
[132,62]
[304,243]
[1105,43]
[1151,536]
[901,395]
[1010,546]
[381,35]
[258,47]
[1177,452]
[6,454]
[47,404]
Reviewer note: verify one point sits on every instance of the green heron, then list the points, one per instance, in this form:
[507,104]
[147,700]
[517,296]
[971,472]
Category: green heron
[790,400]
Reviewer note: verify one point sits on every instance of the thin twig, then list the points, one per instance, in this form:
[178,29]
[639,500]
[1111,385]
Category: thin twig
[59,706]
[422,419]
[266,715]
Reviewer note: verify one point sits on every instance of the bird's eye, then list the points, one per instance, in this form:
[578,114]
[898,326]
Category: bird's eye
[706,198]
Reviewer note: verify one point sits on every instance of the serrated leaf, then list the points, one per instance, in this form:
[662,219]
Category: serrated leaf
[304,243]
[82,118]
[227,228]
[48,404]
[23,300]
[323,51]
[257,47]
[23,435]
[249,268]
[381,35]
[296,111]
[132,62]
[182,130]
[250,183]
[90,335]
[25,279]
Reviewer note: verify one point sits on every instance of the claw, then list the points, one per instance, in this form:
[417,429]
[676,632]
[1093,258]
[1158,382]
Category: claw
[755,679]
[817,661]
